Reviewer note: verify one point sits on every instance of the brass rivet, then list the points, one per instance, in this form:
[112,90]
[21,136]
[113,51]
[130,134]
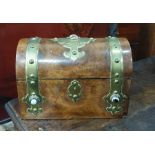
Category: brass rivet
[74,96]
[55,39]
[40,109]
[116,74]
[116,81]
[125,97]
[73,37]
[31,75]
[31,61]
[32,82]
[74,82]
[74,52]
[115,92]
[70,95]
[40,129]
[113,108]
[117,60]
[34,109]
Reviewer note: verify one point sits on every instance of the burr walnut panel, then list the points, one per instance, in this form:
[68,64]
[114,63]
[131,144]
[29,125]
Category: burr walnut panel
[56,72]
[58,105]
[53,65]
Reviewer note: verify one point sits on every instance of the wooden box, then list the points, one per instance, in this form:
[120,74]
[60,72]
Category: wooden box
[73,77]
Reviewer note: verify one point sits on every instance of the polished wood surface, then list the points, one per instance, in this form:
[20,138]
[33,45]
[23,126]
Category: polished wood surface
[58,105]
[53,65]
[56,72]
[141,113]
[139,35]
[10,33]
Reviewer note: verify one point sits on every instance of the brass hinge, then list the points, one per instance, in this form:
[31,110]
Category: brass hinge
[115,97]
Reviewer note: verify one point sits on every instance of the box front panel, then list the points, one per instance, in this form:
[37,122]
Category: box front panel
[60,104]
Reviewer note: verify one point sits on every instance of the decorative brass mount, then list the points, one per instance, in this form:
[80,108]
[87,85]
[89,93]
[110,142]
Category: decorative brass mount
[74,43]
[74,90]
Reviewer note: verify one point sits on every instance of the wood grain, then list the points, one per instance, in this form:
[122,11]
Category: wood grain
[141,115]
[56,72]
[59,106]
[53,65]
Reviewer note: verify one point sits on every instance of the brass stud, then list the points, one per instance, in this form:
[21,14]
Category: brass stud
[116,74]
[115,92]
[34,109]
[32,82]
[70,95]
[74,82]
[74,96]
[74,52]
[31,61]
[125,96]
[40,109]
[116,81]
[113,107]
[55,39]
[117,60]
[41,129]
[31,75]
[34,38]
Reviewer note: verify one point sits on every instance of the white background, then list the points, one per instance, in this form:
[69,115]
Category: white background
[77,143]
[73,11]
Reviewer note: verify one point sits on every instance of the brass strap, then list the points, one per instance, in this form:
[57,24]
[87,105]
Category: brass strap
[33,97]
[115,97]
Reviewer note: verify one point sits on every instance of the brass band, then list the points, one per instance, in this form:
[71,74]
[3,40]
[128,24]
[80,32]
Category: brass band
[115,97]
[33,97]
